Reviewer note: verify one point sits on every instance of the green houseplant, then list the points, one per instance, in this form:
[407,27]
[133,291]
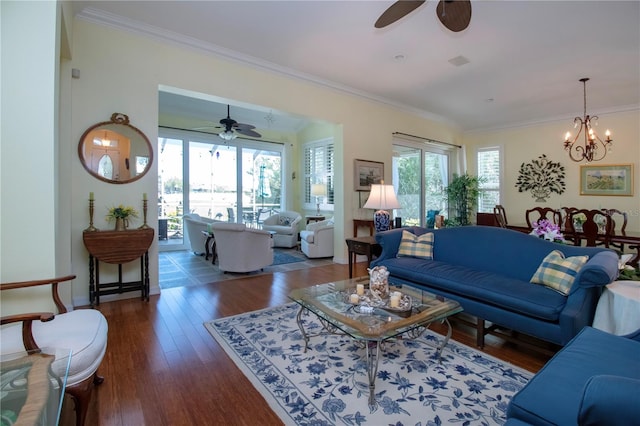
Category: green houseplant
[462,197]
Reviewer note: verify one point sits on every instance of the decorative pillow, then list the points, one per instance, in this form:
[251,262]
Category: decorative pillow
[413,246]
[285,221]
[559,273]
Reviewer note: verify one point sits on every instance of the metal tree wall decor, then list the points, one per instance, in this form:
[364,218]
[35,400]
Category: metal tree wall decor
[541,177]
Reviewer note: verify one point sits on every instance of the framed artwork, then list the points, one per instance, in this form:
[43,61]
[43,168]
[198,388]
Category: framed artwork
[367,173]
[606,180]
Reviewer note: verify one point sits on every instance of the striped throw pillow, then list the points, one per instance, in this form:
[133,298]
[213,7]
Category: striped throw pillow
[414,246]
[558,272]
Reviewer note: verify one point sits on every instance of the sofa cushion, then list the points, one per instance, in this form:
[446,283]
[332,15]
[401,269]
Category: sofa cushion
[487,287]
[558,272]
[413,245]
[610,400]
[307,236]
[554,394]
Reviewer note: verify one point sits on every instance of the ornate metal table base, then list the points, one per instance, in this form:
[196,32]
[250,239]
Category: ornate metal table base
[372,347]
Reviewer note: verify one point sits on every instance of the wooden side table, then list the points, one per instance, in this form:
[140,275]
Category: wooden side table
[368,223]
[362,245]
[210,246]
[118,247]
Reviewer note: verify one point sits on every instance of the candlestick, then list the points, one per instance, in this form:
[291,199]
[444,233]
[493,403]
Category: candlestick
[144,212]
[91,228]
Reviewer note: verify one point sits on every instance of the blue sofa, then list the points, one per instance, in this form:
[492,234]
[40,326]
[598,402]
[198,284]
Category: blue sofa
[488,269]
[593,380]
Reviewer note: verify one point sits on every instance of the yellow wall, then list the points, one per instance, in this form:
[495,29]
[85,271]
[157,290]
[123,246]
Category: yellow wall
[521,145]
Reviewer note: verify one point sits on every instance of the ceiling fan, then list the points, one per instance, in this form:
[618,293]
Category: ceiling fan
[232,128]
[454,14]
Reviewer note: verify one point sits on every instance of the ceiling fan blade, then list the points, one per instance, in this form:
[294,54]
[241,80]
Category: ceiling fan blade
[396,11]
[249,132]
[454,14]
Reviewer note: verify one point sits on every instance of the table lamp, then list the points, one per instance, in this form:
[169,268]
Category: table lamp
[382,197]
[318,190]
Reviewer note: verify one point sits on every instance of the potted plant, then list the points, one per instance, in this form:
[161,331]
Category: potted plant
[121,215]
[462,197]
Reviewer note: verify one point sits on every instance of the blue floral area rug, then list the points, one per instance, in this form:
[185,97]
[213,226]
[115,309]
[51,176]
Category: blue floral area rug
[329,385]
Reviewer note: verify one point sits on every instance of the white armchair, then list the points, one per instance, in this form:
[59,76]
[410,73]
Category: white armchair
[82,331]
[194,224]
[242,249]
[285,226]
[317,239]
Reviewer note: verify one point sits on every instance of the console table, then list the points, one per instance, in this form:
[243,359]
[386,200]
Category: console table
[118,247]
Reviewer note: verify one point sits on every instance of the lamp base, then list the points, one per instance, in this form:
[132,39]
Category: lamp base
[381,220]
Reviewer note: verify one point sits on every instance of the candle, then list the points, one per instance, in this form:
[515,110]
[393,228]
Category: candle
[354,298]
[394,301]
[360,289]
[144,195]
[91,196]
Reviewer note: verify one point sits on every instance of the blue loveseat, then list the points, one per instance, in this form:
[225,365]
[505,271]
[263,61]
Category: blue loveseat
[488,269]
[593,380]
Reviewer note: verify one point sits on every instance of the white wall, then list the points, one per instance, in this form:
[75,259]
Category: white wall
[121,72]
[521,145]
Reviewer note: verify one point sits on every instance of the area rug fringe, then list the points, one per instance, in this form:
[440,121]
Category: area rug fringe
[328,384]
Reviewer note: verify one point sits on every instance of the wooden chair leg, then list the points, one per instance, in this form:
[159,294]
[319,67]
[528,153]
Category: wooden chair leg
[81,395]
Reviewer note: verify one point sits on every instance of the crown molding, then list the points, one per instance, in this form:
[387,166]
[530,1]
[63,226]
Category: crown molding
[118,22]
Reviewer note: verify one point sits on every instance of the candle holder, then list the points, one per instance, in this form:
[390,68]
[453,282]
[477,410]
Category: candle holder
[91,228]
[144,215]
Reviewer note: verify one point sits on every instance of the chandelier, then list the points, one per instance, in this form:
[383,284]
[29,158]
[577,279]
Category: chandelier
[594,149]
[228,135]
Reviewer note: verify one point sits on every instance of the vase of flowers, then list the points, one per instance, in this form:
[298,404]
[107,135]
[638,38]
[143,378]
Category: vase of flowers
[121,215]
[547,230]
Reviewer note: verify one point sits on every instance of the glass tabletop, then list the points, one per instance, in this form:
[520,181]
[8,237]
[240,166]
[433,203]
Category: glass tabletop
[32,386]
[370,319]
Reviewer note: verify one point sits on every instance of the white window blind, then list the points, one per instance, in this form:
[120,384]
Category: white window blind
[318,168]
[490,172]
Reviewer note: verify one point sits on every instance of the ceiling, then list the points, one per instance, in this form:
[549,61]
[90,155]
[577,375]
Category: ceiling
[524,57]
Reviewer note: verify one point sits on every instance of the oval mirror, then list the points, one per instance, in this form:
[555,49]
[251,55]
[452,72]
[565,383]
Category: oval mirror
[115,151]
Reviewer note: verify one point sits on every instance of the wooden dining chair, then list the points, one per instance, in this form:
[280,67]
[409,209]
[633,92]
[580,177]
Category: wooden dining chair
[567,222]
[501,215]
[592,231]
[538,213]
[618,226]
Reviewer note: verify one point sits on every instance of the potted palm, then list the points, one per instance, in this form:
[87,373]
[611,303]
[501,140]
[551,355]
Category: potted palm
[462,197]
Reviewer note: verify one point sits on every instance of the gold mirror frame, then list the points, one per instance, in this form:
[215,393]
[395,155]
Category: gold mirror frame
[118,147]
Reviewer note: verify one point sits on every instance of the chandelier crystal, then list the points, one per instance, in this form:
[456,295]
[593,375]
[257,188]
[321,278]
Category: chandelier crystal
[594,148]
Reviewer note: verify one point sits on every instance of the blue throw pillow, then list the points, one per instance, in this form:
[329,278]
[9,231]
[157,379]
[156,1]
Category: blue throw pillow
[559,273]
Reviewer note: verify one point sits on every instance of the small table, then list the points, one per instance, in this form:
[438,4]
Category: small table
[32,386]
[314,218]
[362,245]
[210,246]
[330,303]
[618,310]
[357,223]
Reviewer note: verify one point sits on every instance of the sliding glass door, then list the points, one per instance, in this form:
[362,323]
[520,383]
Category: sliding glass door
[237,181]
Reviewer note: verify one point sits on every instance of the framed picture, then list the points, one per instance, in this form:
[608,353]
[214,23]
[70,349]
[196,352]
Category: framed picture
[606,180]
[367,173]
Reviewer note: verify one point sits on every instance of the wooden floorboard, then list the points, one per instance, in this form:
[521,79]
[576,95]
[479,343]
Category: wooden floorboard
[163,368]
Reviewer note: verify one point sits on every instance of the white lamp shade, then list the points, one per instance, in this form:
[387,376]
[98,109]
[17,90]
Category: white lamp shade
[318,190]
[382,197]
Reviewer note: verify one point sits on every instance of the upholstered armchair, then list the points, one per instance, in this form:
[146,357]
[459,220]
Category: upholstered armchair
[242,249]
[285,226]
[317,239]
[194,224]
[82,331]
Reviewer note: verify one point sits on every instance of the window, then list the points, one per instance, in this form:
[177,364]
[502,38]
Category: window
[318,168]
[489,172]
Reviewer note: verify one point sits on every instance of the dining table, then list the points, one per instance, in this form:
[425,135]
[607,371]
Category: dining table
[630,238]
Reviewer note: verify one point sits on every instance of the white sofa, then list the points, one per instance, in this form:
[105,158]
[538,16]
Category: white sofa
[194,224]
[317,239]
[285,226]
[242,249]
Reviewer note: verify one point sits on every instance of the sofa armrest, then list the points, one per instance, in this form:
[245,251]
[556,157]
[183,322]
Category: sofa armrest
[600,270]
[610,400]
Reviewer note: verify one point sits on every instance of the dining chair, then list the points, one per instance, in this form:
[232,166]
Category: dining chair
[567,222]
[538,213]
[593,231]
[501,215]
[618,226]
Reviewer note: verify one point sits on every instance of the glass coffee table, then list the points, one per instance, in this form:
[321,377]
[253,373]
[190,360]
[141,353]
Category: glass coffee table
[371,320]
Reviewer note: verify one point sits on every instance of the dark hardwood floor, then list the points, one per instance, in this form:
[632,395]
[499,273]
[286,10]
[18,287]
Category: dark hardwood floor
[163,368]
